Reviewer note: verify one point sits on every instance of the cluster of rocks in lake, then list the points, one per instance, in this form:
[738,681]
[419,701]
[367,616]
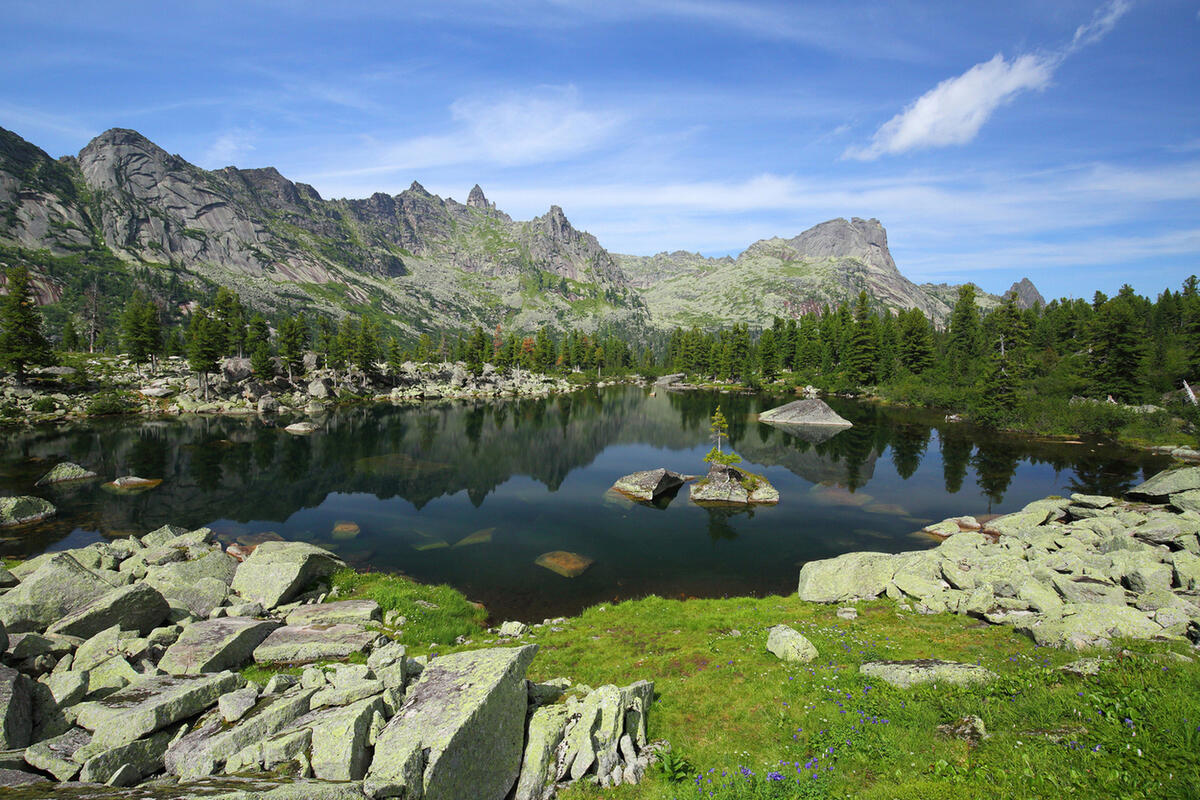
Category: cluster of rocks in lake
[121,667]
[1071,572]
[170,387]
[722,485]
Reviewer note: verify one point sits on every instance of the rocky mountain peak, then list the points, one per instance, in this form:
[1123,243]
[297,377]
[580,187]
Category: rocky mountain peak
[861,239]
[1027,294]
[476,198]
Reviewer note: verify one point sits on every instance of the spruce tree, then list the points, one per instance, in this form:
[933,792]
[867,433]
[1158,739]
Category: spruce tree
[293,339]
[1116,341]
[22,343]
[70,337]
[862,347]
[206,342]
[916,342]
[768,359]
[963,338]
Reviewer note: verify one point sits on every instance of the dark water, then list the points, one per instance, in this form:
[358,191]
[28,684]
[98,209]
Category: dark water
[418,481]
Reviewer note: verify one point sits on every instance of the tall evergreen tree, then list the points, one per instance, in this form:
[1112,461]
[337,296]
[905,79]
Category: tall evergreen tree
[862,348]
[915,348]
[22,343]
[293,340]
[206,343]
[963,337]
[1116,350]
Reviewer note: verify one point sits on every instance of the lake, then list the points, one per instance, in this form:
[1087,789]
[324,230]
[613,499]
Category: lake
[471,494]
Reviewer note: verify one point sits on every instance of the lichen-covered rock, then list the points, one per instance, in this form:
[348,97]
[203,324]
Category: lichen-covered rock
[788,645]
[136,607]
[277,571]
[300,644]
[206,747]
[805,412]
[906,674]
[214,645]
[725,484]
[847,577]
[648,484]
[339,749]
[1168,482]
[143,756]
[59,586]
[545,732]
[24,510]
[460,732]
[16,709]
[353,612]
[151,704]
[1086,625]
[65,472]
[57,755]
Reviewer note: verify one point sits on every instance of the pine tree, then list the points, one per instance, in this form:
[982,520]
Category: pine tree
[141,331]
[257,332]
[261,363]
[206,342]
[22,343]
[720,430]
[916,342]
[293,339]
[1116,350]
[767,355]
[70,336]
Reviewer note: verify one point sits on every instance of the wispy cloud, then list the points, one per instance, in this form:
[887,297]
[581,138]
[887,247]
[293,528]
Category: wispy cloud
[952,112]
[544,125]
[229,148]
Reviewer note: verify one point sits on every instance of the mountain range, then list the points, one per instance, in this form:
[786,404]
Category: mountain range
[420,262]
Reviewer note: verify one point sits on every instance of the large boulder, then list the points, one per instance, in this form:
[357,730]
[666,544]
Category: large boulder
[300,644]
[648,484]
[339,749]
[905,674]
[1168,482]
[545,732]
[24,510]
[805,412]
[215,644]
[460,732]
[136,607]
[847,577]
[151,704]
[58,587]
[1086,625]
[277,571]
[725,484]
[353,612]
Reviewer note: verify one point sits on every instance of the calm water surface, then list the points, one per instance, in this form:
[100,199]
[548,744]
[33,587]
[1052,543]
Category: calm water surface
[471,494]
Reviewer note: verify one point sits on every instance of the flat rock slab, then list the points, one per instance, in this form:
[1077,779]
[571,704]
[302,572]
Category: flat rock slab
[354,612]
[131,484]
[299,644]
[277,571]
[906,674]
[215,644]
[152,703]
[302,428]
[24,510]
[648,484]
[136,607]
[460,732]
[805,412]
[847,577]
[64,473]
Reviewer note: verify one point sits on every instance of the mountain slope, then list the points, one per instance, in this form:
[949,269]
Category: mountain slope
[417,261]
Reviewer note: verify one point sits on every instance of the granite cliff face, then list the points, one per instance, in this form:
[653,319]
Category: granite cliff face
[429,263]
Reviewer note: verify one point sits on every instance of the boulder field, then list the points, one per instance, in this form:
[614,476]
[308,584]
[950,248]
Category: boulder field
[1071,572]
[121,664]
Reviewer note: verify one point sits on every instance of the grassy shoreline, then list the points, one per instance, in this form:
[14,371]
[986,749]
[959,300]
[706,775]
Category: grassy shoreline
[743,724]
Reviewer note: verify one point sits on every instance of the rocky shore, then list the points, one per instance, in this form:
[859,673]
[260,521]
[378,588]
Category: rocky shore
[113,384]
[121,667]
[1071,572]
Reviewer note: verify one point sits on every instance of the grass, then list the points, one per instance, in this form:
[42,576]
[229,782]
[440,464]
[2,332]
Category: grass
[745,725]
[433,614]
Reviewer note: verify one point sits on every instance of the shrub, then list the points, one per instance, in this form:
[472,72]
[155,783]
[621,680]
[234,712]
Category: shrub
[109,403]
[45,405]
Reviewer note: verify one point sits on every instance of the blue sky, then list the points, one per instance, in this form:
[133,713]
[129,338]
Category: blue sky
[993,140]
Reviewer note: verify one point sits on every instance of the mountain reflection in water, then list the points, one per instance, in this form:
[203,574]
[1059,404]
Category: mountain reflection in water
[472,494]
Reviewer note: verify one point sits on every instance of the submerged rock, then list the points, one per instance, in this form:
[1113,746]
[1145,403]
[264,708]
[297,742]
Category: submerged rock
[569,565]
[648,485]
[24,510]
[302,428]
[131,484]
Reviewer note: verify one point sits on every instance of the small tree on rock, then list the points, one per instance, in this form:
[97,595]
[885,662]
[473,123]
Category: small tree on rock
[720,430]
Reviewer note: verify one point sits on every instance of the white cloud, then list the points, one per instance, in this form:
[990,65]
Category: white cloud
[545,125]
[228,148]
[952,112]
